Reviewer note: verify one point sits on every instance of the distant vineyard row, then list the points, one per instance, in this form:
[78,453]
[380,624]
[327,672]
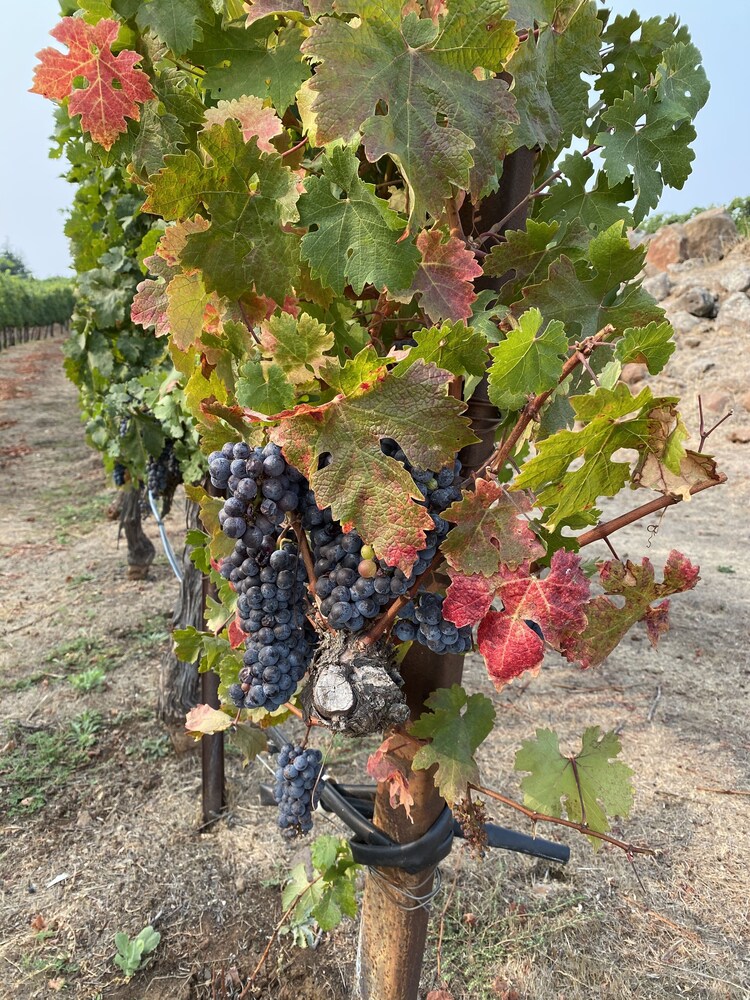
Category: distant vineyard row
[30,308]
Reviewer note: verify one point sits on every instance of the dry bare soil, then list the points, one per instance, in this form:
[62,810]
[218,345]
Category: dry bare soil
[99,815]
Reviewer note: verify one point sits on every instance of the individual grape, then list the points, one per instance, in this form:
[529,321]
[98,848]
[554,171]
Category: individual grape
[297,775]
[367,568]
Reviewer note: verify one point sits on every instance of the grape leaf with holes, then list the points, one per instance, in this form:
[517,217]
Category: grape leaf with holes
[608,623]
[490,531]
[361,484]
[443,125]
[103,107]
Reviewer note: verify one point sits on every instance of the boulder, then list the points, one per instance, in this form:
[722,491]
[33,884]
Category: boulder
[734,311]
[668,246]
[659,285]
[696,301]
[710,234]
[682,321]
[736,278]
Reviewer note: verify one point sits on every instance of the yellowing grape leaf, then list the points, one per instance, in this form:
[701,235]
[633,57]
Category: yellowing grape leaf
[529,361]
[591,786]
[249,196]
[491,530]
[456,348]
[357,239]
[406,84]
[187,301]
[362,485]
[297,345]
[455,726]
[608,622]
[113,86]
[444,277]
[253,118]
[610,419]
[204,720]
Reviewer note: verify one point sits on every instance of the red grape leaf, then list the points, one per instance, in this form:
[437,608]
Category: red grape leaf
[468,598]
[490,531]
[608,623]
[444,277]
[237,635]
[385,765]
[363,486]
[256,9]
[555,604]
[103,107]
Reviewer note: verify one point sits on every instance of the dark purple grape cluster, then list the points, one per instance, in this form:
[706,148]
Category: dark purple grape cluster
[422,620]
[352,585]
[118,474]
[297,775]
[262,487]
[164,476]
[280,641]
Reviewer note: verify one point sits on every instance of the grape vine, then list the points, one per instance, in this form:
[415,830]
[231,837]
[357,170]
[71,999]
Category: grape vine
[402,353]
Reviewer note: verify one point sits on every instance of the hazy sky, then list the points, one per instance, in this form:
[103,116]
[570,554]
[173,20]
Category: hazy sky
[33,197]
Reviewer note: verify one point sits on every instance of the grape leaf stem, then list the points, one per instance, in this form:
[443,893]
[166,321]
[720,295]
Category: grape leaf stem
[530,412]
[537,817]
[659,503]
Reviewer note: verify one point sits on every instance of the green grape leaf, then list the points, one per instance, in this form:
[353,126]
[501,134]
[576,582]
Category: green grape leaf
[248,195]
[526,254]
[651,345]
[444,277]
[570,203]
[590,293]
[357,239]
[455,726]
[249,740]
[442,125]
[591,786]
[491,530]
[159,133]
[240,61]
[264,387]
[454,347]
[552,98]
[681,82]
[528,361]
[356,374]
[362,485]
[644,141]
[633,50]
[611,419]
[636,590]
[297,345]
[176,22]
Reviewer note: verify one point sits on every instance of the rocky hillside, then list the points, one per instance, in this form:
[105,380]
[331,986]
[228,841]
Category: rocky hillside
[700,273]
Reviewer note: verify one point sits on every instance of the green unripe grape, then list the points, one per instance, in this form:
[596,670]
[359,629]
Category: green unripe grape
[368,552]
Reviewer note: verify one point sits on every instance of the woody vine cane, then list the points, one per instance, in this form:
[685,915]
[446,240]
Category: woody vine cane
[347,310]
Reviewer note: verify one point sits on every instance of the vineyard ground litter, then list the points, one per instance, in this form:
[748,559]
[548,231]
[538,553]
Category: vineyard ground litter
[105,837]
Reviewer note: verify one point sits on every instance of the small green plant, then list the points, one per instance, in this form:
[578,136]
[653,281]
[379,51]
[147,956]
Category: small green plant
[85,728]
[88,680]
[150,747]
[132,952]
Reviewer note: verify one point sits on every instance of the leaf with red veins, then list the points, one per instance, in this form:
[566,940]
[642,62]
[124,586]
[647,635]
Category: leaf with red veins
[608,623]
[103,107]
[444,277]
[468,599]
[555,604]
[236,634]
[491,531]
[149,305]
[385,765]
[363,486]
[252,117]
